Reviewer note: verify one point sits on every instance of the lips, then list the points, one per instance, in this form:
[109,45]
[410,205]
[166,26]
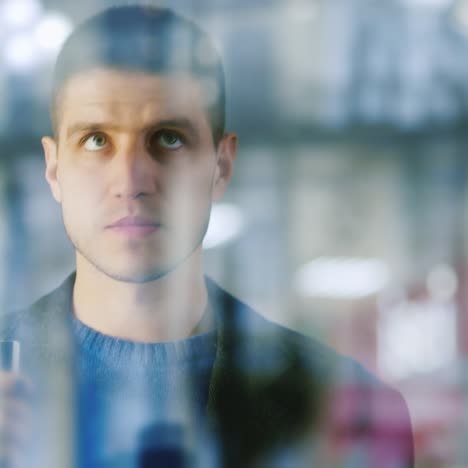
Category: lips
[134,221]
[135,226]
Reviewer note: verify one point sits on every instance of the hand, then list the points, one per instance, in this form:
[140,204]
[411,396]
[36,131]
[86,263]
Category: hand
[15,418]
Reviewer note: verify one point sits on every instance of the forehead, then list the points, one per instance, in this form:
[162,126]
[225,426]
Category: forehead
[131,98]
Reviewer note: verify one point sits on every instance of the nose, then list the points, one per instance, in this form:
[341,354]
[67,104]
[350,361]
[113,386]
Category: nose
[133,171]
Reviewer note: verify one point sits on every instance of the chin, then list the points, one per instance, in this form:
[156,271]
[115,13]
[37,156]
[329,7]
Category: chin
[131,270]
[141,268]
[137,277]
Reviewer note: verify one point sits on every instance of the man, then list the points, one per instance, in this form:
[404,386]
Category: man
[138,359]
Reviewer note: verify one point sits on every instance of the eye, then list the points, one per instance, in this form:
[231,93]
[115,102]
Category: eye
[168,139]
[95,142]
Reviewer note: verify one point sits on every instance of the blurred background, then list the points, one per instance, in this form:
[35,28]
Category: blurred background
[347,218]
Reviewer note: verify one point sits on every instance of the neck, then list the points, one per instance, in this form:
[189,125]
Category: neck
[165,309]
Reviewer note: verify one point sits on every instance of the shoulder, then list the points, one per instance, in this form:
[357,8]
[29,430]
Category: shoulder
[359,405]
[49,311]
[265,335]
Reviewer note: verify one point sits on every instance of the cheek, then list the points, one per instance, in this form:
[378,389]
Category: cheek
[76,183]
[193,184]
[80,196]
[189,196]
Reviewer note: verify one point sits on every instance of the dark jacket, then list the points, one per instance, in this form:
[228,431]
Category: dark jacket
[276,398]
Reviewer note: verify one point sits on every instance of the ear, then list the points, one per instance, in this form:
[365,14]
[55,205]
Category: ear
[50,153]
[226,154]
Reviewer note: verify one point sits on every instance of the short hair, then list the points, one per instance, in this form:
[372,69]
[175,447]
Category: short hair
[148,39]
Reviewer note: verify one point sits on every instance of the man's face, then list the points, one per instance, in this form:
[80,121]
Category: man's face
[135,170]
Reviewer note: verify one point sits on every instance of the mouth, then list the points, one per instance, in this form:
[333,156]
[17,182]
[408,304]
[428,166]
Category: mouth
[134,226]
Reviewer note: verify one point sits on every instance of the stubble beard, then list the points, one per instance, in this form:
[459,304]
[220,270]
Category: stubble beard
[154,274]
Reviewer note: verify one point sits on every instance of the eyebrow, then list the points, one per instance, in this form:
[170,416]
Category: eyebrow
[179,123]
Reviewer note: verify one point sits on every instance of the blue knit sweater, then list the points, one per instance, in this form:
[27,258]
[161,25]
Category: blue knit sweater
[128,389]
